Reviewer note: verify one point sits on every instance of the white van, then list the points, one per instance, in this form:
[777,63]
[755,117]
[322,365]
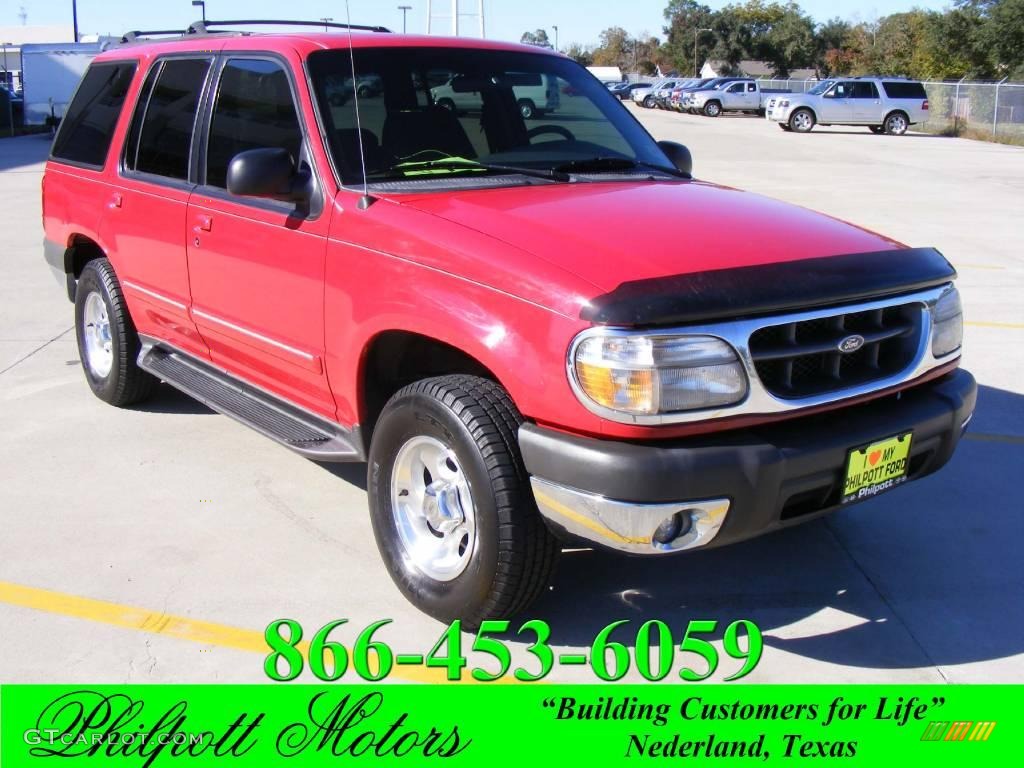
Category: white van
[536,94]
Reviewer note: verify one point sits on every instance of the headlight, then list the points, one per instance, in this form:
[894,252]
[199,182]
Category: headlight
[947,324]
[647,375]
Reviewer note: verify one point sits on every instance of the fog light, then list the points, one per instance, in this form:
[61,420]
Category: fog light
[672,528]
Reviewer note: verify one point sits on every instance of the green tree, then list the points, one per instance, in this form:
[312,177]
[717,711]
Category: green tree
[540,38]
[580,54]
[683,18]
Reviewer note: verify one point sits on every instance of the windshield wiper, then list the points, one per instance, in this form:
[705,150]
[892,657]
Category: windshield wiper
[457,164]
[610,165]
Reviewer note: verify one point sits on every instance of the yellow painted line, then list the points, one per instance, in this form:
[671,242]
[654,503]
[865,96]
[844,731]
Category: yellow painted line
[987,437]
[983,324]
[166,625]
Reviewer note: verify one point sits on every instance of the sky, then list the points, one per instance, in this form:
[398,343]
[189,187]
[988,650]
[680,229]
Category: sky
[578,21]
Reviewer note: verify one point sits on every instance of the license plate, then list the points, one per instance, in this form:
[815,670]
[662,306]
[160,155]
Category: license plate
[876,468]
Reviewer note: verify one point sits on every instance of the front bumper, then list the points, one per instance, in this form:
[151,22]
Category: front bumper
[735,485]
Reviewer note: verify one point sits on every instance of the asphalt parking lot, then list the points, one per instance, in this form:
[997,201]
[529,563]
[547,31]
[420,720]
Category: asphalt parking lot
[155,544]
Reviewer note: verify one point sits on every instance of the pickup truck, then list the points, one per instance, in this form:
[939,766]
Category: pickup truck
[732,96]
[448,299]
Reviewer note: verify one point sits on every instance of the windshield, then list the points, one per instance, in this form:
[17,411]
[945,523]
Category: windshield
[821,87]
[447,112]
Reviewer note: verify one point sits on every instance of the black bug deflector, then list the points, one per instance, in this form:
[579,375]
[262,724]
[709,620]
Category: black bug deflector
[767,288]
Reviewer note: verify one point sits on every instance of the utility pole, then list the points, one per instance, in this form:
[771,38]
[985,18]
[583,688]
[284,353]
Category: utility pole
[404,9]
[555,27]
[201,4]
[326,20]
[696,32]
[74,17]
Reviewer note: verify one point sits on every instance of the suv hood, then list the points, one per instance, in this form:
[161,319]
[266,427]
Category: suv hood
[609,233]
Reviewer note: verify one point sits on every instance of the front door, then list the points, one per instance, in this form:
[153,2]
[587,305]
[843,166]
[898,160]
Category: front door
[256,266]
[835,104]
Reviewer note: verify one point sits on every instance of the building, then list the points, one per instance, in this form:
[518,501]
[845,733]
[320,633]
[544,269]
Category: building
[750,68]
[12,38]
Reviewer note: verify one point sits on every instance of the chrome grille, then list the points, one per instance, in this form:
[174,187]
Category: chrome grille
[802,358]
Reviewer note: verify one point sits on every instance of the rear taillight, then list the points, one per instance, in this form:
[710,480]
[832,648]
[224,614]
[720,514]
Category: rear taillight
[924,104]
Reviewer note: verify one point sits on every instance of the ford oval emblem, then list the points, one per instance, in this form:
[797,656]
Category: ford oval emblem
[851,344]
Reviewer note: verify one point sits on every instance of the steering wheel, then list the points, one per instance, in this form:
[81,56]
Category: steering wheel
[540,130]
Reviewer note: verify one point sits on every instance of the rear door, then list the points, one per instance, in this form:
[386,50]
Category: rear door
[257,265]
[148,205]
[866,103]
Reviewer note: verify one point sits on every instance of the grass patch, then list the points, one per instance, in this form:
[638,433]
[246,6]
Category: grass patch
[1010,134]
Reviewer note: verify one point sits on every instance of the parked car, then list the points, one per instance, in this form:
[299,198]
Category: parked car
[713,84]
[339,89]
[738,96]
[883,104]
[458,309]
[675,99]
[625,91]
[647,97]
[663,94]
[537,94]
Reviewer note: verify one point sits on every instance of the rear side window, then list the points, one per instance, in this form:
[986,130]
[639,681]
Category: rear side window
[88,125]
[254,110]
[864,90]
[901,89]
[160,141]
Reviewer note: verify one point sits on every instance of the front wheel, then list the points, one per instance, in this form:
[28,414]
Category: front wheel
[108,344]
[527,109]
[785,127]
[450,502]
[648,101]
[712,109]
[876,129]
[801,121]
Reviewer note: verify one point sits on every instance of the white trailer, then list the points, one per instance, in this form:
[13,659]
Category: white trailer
[50,74]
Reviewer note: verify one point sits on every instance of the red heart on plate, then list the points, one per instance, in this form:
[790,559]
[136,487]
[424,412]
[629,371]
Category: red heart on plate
[874,457]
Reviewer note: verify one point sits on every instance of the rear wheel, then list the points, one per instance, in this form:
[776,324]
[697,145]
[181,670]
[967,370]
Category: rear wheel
[648,101]
[451,505]
[108,343]
[801,121]
[527,109]
[446,104]
[896,124]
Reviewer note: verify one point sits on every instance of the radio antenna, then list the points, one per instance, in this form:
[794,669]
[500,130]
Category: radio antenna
[365,201]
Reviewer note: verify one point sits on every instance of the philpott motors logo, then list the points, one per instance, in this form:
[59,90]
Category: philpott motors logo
[962,730]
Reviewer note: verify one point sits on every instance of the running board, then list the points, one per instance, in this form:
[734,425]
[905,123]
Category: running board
[303,432]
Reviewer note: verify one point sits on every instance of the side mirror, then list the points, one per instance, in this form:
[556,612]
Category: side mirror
[268,172]
[679,156]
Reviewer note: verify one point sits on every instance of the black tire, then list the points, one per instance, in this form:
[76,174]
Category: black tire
[896,123]
[648,101]
[446,104]
[514,554]
[125,383]
[527,109]
[802,121]
[876,129]
[713,109]
[785,127]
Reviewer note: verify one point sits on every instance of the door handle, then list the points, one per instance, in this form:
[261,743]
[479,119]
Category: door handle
[204,224]
[116,200]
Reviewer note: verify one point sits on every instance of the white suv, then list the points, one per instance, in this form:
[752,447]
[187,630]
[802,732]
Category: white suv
[884,104]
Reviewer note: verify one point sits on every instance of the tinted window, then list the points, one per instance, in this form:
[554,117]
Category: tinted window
[438,104]
[254,109]
[863,90]
[88,125]
[904,90]
[167,119]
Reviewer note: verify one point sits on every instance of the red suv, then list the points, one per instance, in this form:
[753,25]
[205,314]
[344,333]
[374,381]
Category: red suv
[446,295]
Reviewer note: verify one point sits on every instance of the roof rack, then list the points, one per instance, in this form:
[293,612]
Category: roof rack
[203,27]
[138,34]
